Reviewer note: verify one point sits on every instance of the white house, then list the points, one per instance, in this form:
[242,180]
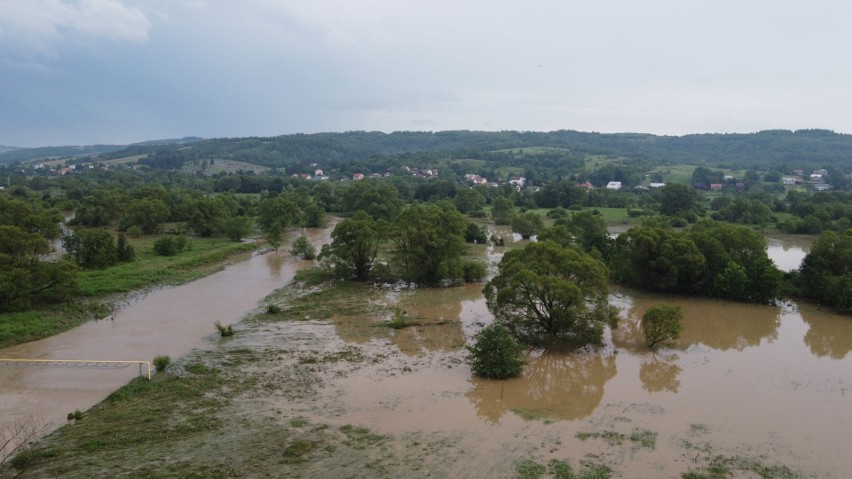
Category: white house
[657,185]
[613,185]
[788,180]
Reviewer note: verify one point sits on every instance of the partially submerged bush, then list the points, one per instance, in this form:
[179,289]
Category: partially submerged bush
[162,362]
[224,331]
[303,248]
[495,354]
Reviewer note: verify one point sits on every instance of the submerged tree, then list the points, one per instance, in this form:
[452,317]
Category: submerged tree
[495,354]
[548,292]
[661,324]
[429,243]
[354,245]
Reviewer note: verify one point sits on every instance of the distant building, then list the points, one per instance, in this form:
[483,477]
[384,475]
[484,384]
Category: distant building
[716,186]
[816,177]
[358,176]
[822,187]
[586,185]
[517,181]
[613,185]
[788,181]
[799,172]
[657,185]
[319,173]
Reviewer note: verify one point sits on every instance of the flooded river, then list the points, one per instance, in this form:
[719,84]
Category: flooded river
[169,321]
[765,382]
[771,382]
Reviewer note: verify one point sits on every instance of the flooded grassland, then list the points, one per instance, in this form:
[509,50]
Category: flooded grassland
[327,388]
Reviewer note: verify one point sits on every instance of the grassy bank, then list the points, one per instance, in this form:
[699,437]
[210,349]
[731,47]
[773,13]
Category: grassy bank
[97,287]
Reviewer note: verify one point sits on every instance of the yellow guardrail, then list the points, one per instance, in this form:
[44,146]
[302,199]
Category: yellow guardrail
[74,363]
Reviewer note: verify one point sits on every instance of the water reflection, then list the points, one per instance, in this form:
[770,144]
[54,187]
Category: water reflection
[720,325]
[660,373]
[554,385]
[828,334]
[436,317]
[788,251]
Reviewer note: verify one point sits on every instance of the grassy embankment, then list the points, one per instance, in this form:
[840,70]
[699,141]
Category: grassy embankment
[98,287]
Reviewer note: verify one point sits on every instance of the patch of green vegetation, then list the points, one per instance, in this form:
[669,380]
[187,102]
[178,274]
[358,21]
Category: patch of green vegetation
[139,415]
[302,301]
[299,450]
[593,470]
[149,269]
[696,429]
[614,215]
[298,422]
[723,467]
[560,469]
[611,437]
[361,437]
[529,469]
[21,327]
[643,438]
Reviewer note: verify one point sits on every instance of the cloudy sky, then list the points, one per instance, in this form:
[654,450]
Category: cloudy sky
[118,71]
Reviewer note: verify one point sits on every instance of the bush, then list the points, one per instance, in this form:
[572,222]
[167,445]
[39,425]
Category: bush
[161,363]
[273,309]
[224,331]
[473,271]
[399,319]
[169,245]
[303,248]
[495,354]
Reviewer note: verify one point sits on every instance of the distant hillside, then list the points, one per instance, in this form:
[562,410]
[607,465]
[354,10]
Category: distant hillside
[12,154]
[779,150]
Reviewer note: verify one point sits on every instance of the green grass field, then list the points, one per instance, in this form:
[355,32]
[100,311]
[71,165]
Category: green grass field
[96,286]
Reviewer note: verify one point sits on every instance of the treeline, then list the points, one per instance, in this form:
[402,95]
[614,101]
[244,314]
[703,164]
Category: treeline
[775,150]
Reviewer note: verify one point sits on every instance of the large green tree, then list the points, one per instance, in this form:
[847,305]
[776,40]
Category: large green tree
[679,200]
[429,243]
[353,248]
[25,279]
[826,273]
[548,292]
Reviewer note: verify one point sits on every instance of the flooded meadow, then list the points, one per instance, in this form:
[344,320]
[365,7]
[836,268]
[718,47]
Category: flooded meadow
[328,388]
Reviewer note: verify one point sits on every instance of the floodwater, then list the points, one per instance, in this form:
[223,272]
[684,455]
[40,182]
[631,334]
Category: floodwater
[788,251]
[771,382]
[169,321]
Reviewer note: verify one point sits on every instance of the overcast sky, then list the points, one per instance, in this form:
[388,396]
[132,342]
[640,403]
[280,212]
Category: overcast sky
[120,71]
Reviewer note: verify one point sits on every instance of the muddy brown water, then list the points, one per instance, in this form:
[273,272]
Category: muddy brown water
[766,382]
[169,321]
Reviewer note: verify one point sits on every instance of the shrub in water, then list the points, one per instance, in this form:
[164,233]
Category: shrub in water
[495,354]
[273,309]
[162,362]
[225,331]
[303,248]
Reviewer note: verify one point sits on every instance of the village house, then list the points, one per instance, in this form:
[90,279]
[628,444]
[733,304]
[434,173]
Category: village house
[518,182]
[613,185]
[358,176]
[788,181]
[716,186]
[656,185]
